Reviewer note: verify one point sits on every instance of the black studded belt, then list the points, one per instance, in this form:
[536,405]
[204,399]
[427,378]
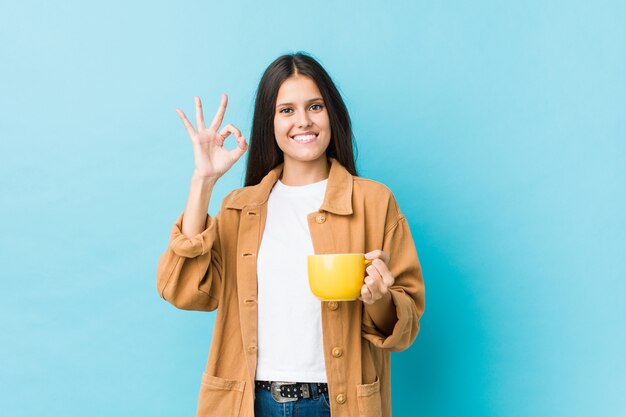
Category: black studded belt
[291,391]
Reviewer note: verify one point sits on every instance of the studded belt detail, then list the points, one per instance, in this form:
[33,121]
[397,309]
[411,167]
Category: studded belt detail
[291,391]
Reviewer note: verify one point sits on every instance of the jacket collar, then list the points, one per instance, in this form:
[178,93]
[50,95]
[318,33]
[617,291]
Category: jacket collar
[338,197]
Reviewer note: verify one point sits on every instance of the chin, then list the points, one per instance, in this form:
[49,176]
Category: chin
[300,157]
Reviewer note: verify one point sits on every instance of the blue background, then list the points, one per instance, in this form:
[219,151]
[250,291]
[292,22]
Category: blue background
[499,126]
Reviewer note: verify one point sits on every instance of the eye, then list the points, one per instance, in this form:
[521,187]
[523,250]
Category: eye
[285,110]
[316,107]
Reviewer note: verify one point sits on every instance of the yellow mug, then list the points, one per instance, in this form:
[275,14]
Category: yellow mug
[337,277]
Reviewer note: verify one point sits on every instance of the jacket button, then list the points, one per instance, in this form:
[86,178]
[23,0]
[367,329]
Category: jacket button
[337,352]
[320,218]
[333,305]
[252,349]
[341,398]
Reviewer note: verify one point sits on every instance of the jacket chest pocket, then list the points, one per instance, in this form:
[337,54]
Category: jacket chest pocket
[219,396]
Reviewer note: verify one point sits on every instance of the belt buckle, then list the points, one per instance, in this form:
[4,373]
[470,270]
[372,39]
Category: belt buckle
[275,389]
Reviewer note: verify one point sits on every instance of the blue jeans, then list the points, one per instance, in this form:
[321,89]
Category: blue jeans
[315,406]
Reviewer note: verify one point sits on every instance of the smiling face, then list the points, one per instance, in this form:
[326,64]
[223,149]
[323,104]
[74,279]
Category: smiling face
[301,123]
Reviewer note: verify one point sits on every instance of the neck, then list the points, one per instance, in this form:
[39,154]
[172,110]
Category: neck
[304,173]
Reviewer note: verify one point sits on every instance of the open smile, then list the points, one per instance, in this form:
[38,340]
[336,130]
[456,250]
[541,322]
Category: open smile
[304,137]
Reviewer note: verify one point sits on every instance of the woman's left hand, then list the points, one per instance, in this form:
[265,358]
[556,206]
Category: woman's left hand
[378,278]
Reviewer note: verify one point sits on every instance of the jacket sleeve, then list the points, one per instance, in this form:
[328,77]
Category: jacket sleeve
[190,271]
[407,293]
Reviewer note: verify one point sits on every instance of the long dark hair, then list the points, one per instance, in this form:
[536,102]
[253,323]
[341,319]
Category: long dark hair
[264,153]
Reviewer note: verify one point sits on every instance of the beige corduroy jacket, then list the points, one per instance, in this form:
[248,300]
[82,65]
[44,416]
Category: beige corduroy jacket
[217,270]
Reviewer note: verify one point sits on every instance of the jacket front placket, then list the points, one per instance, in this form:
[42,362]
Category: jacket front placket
[330,233]
[252,219]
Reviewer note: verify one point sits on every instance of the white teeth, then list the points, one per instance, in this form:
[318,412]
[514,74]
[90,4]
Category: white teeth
[302,138]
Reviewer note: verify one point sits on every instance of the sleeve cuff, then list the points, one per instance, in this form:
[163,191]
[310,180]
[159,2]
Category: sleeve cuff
[198,245]
[402,334]
[383,313]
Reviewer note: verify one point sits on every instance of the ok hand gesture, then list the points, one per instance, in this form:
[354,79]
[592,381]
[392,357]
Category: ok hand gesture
[211,159]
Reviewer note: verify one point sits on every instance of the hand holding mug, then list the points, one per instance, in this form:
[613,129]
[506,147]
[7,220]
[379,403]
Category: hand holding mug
[210,157]
[378,278]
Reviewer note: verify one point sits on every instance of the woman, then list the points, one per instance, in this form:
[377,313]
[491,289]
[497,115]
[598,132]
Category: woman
[276,349]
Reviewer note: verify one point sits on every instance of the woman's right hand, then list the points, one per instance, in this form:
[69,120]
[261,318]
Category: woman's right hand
[211,159]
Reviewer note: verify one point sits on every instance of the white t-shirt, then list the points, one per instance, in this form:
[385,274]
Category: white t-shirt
[290,324]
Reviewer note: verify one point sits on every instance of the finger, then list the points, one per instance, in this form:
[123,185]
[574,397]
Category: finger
[199,114]
[219,116]
[377,279]
[241,148]
[238,152]
[376,286]
[366,295]
[186,122]
[228,129]
[378,254]
[373,272]
[384,272]
[243,145]
[372,287]
[223,134]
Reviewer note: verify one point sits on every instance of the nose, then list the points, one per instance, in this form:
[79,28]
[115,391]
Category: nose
[303,119]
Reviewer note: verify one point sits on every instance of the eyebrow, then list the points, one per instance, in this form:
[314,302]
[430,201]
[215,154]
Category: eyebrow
[309,101]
